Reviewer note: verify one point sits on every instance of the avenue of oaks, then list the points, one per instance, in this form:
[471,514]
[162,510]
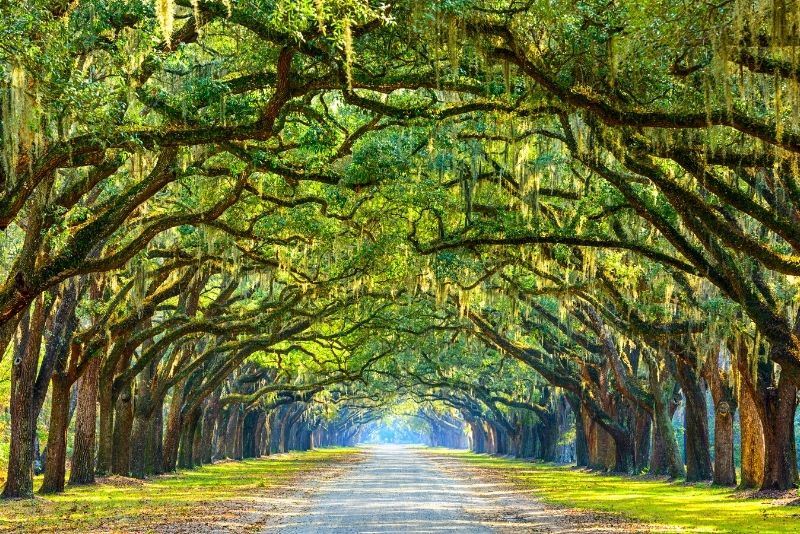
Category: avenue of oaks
[561,230]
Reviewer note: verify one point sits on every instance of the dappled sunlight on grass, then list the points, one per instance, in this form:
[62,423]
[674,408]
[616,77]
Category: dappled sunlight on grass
[117,502]
[695,508]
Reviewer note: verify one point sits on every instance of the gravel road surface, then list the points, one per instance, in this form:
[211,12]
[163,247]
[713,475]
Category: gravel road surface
[412,490]
[396,489]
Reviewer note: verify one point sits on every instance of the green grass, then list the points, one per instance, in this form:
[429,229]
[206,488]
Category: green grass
[120,503]
[672,505]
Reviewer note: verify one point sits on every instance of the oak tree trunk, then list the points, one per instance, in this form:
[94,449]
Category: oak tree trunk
[210,417]
[83,453]
[698,456]
[724,467]
[141,443]
[157,438]
[173,430]
[19,479]
[123,423]
[55,464]
[105,434]
[780,457]
[752,442]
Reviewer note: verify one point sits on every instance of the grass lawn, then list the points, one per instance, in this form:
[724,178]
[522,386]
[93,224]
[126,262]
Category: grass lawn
[119,504]
[674,505]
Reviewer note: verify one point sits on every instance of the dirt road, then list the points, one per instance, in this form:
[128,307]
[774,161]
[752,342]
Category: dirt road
[403,489]
[395,490]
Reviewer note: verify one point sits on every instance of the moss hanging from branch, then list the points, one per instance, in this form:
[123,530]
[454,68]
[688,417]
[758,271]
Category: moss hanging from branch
[347,42]
[319,8]
[165,13]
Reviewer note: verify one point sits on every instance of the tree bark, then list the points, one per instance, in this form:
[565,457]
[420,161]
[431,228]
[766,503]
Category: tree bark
[157,438]
[780,458]
[141,442]
[665,458]
[57,358]
[230,431]
[123,422]
[83,453]
[752,442]
[642,441]
[581,446]
[105,452]
[724,409]
[173,431]
[56,352]
[19,481]
[548,437]
[599,445]
[698,456]
[724,467]
[197,440]
[55,464]
[210,417]
[188,430]
[774,398]
[221,431]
